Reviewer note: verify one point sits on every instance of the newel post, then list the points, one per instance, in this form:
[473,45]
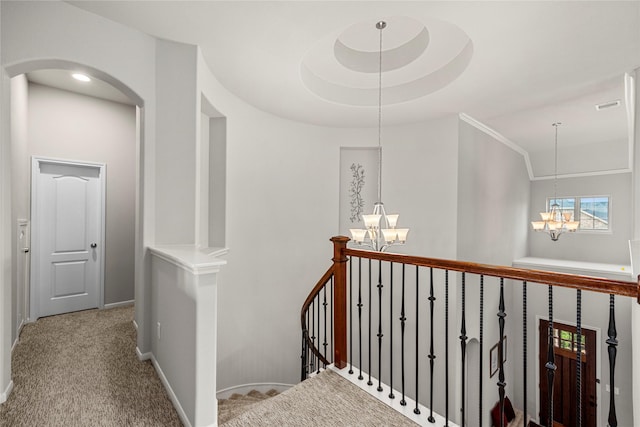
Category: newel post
[340,301]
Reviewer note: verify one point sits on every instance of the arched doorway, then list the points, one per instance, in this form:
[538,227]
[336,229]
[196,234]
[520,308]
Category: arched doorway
[10,317]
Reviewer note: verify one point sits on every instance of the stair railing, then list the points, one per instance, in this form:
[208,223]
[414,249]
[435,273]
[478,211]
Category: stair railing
[313,318]
[327,321]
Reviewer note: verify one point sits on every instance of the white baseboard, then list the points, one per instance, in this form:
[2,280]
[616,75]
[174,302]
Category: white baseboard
[246,388]
[143,356]
[119,304]
[18,331]
[135,324]
[172,395]
[5,395]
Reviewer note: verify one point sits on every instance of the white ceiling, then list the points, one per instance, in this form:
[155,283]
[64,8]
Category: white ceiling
[63,79]
[532,63]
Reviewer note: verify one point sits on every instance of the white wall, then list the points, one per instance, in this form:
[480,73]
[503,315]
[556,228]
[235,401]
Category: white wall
[174,343]
[282,207]
[608,247]
[217,181]
[70,126]
[202,184]
[20,201]
[635,223]
[493,198]
[6,228]
[420,173]
[175,161]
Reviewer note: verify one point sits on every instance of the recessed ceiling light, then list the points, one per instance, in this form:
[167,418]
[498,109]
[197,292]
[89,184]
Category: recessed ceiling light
[610,104]
[81,77]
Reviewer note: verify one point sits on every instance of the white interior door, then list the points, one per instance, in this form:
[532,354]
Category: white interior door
[68,223]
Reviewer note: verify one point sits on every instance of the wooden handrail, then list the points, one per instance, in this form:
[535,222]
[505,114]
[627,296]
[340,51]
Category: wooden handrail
[339,273]
[595,284]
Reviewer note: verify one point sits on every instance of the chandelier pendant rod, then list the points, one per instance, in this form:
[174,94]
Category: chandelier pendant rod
[555,178]
[380,26]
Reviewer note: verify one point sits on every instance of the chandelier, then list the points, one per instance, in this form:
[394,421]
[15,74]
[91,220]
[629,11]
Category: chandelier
[380,230]
[555,222]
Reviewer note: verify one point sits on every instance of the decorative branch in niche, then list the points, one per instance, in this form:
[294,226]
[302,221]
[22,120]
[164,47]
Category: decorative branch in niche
[355,192]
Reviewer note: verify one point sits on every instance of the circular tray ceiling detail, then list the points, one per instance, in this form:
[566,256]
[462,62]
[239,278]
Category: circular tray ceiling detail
[419,58]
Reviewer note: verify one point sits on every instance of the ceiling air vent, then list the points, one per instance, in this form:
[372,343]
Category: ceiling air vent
[610,104]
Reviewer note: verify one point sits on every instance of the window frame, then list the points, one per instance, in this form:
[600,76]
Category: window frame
[576,212]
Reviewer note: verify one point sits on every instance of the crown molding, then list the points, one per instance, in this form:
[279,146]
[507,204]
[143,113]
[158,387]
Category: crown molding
[501,138]
[582,174]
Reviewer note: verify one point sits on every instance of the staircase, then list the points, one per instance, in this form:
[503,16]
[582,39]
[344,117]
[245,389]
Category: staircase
[237,404]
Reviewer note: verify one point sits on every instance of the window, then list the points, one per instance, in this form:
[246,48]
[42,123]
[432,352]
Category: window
[567,340]
[592,212]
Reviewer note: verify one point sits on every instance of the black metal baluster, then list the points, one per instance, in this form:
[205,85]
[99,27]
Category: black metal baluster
[612,344]
[446,348]
[304,372]
[501,382]
[416,410]
[302,360]
[403,320]
[579,358]
[370,310]
[463,346]
[360,377]
[313,329]
[481,413]
[318,333]
[324,306]
[432,356]
[524,346]
[379,325]
[551,362]
[309,360]
[391,395]
[350,315]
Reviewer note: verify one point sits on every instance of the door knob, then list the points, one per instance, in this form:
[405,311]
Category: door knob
[94,245]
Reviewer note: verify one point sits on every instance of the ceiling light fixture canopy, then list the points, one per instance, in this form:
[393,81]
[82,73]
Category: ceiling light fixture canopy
[380,230]
[555,221]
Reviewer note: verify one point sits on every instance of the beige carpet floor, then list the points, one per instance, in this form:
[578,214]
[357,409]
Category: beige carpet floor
[326,400]
[81,369]
[237,404]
